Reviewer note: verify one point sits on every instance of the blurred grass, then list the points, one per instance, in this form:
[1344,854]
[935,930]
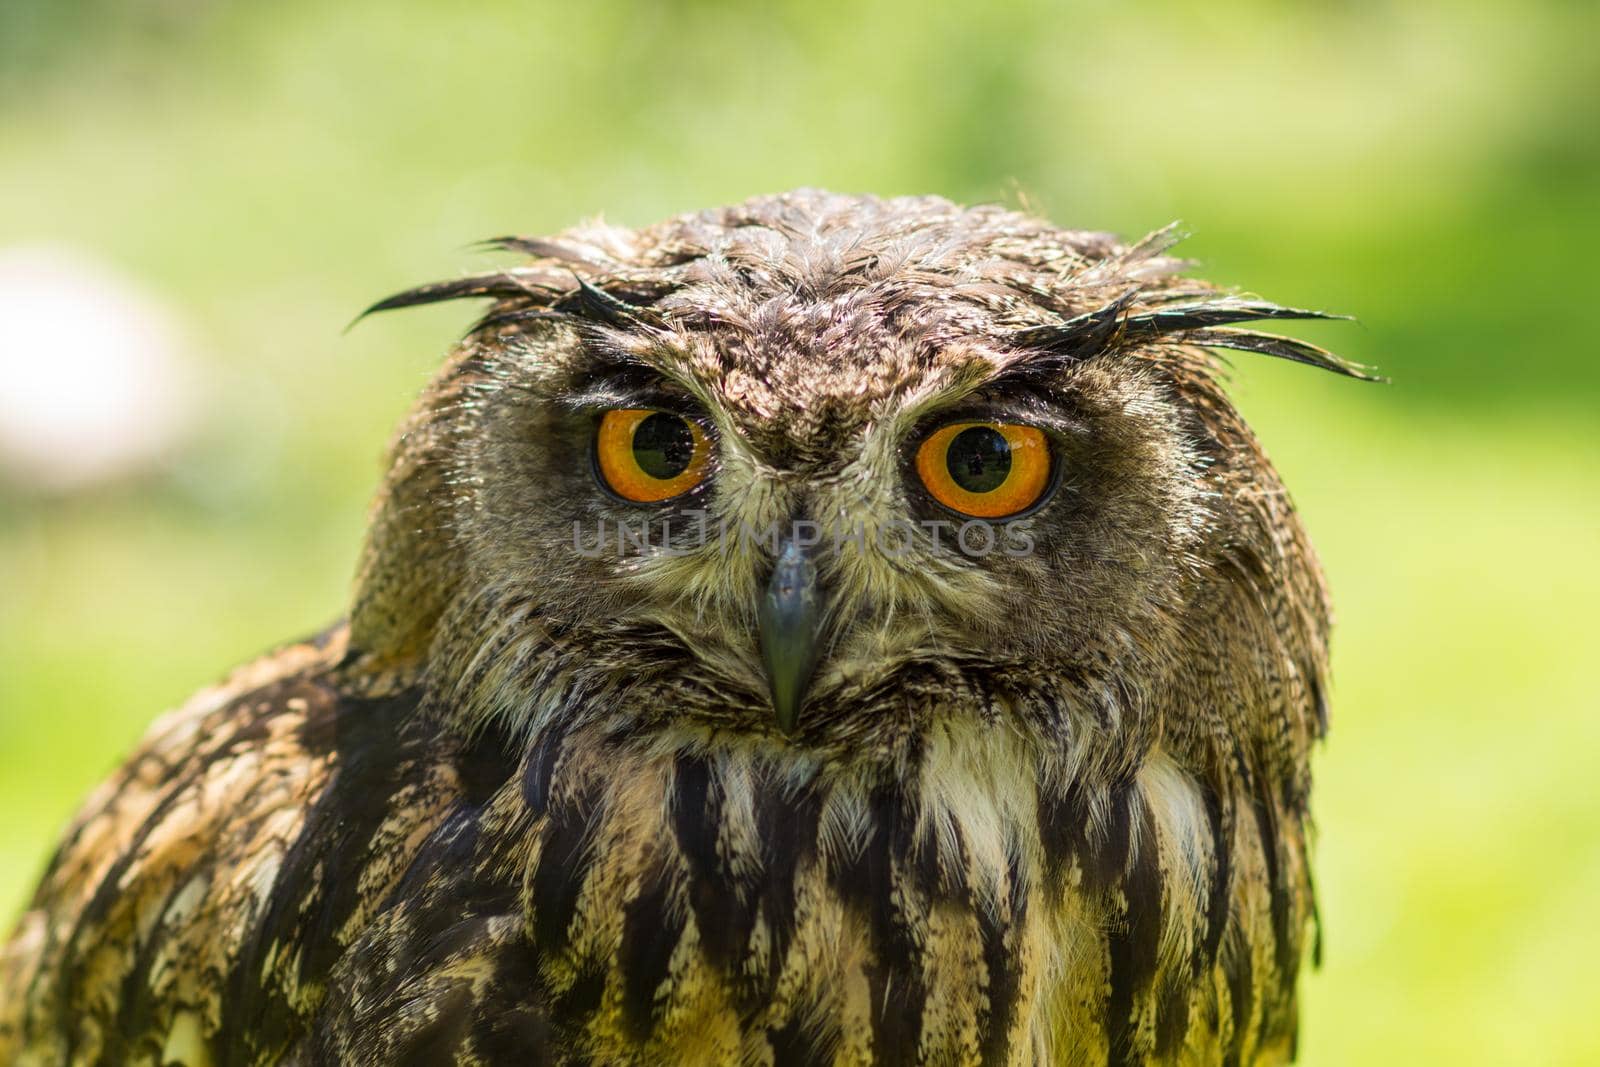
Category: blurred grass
[1430,167]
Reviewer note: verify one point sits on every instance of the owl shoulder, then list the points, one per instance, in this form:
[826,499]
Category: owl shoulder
[200,866]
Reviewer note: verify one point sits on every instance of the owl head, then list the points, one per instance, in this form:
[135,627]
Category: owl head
[835,472]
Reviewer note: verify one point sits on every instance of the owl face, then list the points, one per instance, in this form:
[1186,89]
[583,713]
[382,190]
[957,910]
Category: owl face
[817,479]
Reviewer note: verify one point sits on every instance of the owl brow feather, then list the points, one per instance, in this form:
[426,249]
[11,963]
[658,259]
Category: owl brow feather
[604,317]
[1203,323]
[525,296]
[529,294]
[500,285]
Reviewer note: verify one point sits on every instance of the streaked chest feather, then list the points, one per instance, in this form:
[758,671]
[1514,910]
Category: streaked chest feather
[735,904]
[729,907]
[596,902]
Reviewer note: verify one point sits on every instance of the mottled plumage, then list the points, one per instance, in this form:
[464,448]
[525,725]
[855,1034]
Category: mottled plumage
[532,804]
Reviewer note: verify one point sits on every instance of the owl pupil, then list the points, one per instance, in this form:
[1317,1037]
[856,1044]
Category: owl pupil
[979,459]
[663,445]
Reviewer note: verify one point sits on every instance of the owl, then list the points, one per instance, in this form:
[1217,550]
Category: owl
[821,630]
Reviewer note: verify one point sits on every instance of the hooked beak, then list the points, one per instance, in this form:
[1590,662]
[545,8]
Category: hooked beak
[790,620]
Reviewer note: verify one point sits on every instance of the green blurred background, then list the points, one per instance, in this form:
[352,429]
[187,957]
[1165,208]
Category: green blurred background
[1433,168]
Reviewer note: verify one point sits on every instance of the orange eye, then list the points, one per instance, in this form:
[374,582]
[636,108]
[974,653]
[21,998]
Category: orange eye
[646,455]
[988,470]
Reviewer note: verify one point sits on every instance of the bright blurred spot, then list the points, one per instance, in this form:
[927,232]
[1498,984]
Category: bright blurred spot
[94,386]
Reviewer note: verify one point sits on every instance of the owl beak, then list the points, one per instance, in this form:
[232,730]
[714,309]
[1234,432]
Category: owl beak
[790,620]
